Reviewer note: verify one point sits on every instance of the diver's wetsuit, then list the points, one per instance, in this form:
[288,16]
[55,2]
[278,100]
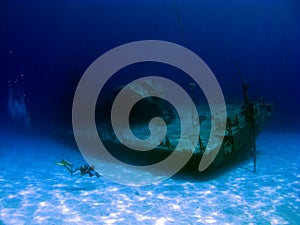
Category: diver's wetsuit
[86,169]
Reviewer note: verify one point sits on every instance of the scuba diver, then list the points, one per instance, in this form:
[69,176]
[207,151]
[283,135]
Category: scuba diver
[86,169]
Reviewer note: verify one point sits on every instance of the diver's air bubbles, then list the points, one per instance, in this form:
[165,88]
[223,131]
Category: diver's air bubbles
[17,103]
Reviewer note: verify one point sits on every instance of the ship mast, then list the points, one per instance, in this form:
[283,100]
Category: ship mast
[179,23]
[192,84]
[249,115]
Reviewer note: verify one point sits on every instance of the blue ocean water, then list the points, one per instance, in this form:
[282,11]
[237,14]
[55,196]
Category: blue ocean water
[46,46]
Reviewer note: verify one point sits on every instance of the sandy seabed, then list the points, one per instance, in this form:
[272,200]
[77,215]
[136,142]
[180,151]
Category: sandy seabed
[33,190]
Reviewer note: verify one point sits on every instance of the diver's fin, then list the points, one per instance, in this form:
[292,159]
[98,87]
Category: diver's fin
[63,163]
[66,162]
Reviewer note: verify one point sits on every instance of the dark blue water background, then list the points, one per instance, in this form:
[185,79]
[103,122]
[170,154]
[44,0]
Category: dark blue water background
[53,42]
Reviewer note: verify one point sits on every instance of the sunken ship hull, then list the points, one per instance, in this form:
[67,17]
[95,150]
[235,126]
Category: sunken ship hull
[241,130]
[234,134]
